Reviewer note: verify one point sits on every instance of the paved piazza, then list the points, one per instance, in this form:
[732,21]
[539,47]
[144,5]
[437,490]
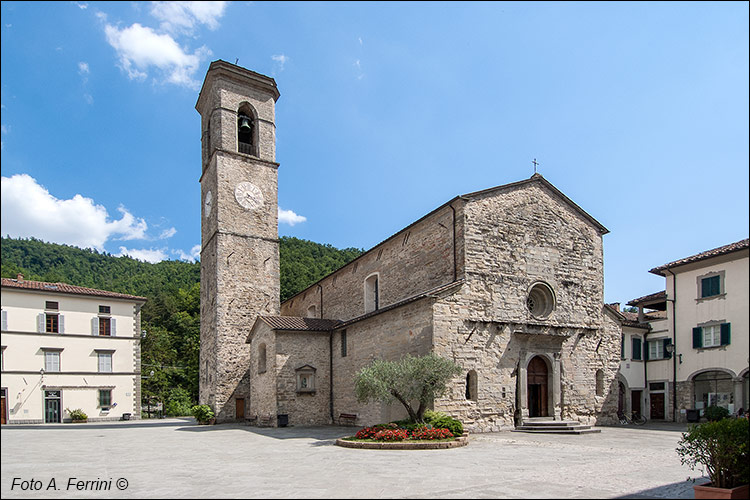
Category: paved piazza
[175,458]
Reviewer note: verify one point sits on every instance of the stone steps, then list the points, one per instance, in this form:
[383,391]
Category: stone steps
[549,426]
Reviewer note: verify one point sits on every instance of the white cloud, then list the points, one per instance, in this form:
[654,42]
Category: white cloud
[280,60]
[83,68]
[81,5]
[194,254]
[289,217]
[140,48]
[29,210]
[151,255]
[167,233]
[182,17]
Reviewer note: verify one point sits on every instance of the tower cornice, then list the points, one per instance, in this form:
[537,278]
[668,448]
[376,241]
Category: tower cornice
[222,69]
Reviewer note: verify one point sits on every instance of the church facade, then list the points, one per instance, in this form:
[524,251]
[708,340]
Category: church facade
[507,282]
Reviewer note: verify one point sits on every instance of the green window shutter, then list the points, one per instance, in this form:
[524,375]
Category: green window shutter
[697,337]
[711,286]
[636,349]
[726,334]
[646,353]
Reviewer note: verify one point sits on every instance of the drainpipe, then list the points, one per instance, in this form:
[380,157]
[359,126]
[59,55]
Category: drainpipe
[330,375]
[674,344]
[645,371]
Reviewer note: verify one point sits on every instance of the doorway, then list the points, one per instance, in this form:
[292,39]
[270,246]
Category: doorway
[635,403]
[52,407]
[239,408]
[3,406]
[536,377]
[657,405]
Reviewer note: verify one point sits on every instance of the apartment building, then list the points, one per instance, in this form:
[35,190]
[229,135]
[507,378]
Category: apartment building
[697,354]
[66,347]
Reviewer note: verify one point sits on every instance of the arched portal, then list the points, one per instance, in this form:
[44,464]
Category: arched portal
[537,375]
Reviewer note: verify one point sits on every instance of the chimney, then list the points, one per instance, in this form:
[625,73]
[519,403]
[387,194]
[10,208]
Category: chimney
[19,278]
[616,305]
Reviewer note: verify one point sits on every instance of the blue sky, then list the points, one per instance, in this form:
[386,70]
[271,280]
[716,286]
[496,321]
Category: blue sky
[636,111]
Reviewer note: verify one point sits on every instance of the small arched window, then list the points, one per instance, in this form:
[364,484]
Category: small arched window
[372,294]
[262,358]
[471,385]
[246,131]
[599,383]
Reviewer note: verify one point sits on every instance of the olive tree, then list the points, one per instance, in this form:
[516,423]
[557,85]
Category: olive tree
[410,379]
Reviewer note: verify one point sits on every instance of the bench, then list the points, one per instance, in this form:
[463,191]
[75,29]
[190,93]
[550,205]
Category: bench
[266,419]
[349,418]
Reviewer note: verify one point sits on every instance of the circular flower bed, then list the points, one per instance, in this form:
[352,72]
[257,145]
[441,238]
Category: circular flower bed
[409,436]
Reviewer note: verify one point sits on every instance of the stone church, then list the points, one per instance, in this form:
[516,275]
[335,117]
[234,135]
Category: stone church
[507,282]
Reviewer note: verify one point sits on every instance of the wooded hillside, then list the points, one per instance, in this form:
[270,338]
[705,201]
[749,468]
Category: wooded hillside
[171,317]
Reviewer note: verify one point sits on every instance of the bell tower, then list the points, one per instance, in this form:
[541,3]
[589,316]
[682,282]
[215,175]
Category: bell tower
[239,228]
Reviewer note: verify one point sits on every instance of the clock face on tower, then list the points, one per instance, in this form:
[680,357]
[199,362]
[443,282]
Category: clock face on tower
[207,204]
[248,195]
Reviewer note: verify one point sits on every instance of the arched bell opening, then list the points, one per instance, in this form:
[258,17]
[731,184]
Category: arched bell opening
[247,139]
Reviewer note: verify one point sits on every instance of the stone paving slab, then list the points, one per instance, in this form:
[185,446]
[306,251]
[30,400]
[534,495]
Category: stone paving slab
[175,458]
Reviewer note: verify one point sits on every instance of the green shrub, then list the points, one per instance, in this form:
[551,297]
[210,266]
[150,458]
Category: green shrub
[178,403]
[715,413]
[403,423]
[202,413]
[721,447]
[77,414]
[450,423]
[430,415]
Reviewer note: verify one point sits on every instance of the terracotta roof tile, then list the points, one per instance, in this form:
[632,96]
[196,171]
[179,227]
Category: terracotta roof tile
[732,247]
[658,296]
[65,288]
[297,323]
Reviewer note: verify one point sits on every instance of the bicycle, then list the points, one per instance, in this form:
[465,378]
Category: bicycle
[635,419]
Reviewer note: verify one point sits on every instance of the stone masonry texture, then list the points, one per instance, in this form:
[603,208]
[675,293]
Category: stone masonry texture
[239,255]
[456,282]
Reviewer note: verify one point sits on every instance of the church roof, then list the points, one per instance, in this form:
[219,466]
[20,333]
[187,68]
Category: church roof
[732,247]
[42,286]
[299,324]
[295,323]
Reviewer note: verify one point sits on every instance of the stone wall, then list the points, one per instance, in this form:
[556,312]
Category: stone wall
[263,403]
[516,237]
[416,259]
[583,355]
[489,350]
[295,350]
[388,336]
[524,234]
[685,400]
